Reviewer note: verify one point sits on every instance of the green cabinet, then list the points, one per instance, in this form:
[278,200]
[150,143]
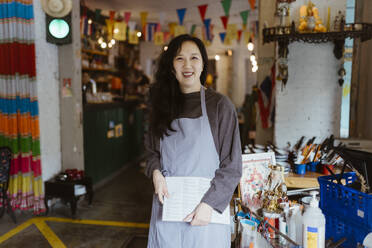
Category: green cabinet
[104,155]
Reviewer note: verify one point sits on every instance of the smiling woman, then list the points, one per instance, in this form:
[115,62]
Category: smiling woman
[188,65]
[193,133]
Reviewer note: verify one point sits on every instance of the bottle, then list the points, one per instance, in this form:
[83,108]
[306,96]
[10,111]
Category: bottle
[294,224]
[313,225]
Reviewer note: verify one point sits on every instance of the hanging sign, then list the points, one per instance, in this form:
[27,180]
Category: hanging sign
[159,38]
[239,35]
[133,38]
[252,3]
[178,30]
[232,32]
[120,31]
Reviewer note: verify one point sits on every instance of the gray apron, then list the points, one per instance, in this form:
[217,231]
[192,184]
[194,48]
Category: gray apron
[190,151]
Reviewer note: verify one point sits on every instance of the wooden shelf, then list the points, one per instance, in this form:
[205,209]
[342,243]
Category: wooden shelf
[289,34]
[309,180]
[95,52]
[97,69]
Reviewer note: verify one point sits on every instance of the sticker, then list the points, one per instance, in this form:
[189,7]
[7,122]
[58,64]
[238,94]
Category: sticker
[312,237]
[119,130]
[360,213]
[110,134]
[111,124]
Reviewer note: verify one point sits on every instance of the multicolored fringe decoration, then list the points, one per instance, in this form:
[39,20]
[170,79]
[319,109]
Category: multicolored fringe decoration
[19,121]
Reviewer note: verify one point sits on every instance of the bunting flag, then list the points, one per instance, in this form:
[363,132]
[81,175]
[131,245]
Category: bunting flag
[132,25]
[162,17]
[97,14]
[244,26]
[143,18]
[158,27]
[178,30]
[207,23]
[225,20]
[202,11]
[239,35]
[133,38]
[181,15]
[159,38]
[172,26]
[127,17]
[120,31]
[226,4]
[247,35]
[222,36]
[112,15]
[252,3]
[193,27]
[150,31]
[166,36]
[110,27]
[244,15]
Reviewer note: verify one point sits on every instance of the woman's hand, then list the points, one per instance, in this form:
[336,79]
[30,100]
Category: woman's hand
[160,185]
[201,216]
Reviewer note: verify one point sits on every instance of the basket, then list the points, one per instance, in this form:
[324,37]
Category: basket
[337,228]
[347,203]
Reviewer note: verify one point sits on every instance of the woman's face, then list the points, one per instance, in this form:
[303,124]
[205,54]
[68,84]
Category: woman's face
[188,65]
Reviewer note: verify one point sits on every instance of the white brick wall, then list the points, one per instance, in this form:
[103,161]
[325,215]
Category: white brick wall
[310,103]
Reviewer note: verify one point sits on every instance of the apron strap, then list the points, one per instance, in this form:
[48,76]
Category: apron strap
[202,101]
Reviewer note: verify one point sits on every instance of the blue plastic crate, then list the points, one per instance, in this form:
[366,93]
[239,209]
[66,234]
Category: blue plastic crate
[338,228]
[345,202]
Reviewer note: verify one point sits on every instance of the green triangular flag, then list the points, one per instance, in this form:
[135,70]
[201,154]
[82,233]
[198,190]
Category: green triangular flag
[244,15]
[226,4]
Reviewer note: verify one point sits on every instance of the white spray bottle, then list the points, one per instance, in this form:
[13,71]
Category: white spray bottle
[313,225]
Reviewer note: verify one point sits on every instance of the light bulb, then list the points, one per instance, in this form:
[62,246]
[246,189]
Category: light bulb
[252,57]
[103,45]
[112,41]
[165,48]
[139,34]
[254,68]
[229,52]
[217,57]
[254,63]
[90,21]
[116,30]
[250,46]
[100,40]
[109,45]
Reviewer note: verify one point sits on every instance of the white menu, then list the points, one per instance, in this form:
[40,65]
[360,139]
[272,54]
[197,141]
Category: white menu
[185,194]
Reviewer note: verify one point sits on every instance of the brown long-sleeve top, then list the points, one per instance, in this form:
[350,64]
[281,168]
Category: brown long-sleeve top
[225,130]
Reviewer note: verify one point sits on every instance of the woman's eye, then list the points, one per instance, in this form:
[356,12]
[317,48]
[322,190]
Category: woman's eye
[194,58]
[179,58]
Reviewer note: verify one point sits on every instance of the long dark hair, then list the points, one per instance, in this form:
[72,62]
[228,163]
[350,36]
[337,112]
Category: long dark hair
[166,98]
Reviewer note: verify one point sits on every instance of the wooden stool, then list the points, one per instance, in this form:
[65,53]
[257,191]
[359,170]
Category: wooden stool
[66,191]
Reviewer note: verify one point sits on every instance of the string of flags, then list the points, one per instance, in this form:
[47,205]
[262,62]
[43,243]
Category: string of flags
[123,29]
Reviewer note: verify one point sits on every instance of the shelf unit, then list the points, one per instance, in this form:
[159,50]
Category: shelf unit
[288,34]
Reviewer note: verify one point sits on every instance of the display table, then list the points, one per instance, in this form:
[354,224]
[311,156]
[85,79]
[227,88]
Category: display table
[309,180]
[66,191]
